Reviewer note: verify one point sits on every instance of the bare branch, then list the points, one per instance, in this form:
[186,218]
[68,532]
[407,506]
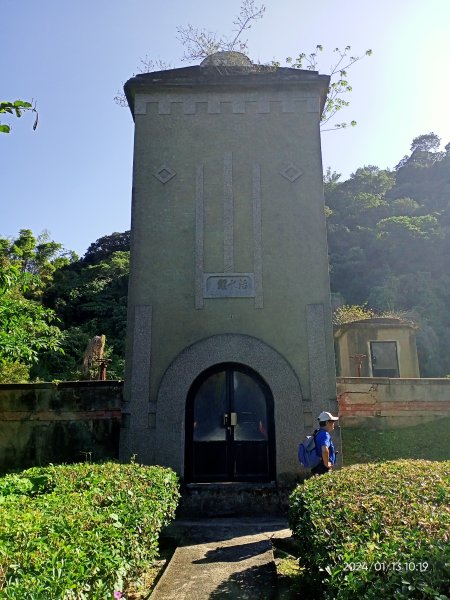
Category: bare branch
[147,65]
[200,43]
[250,12]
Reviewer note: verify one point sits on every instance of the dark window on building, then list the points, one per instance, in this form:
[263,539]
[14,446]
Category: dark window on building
[384,359]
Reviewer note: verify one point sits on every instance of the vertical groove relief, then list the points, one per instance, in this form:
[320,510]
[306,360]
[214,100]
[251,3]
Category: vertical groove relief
[257,235]
[199,236]
[228,224]
[318,364]
[141,363]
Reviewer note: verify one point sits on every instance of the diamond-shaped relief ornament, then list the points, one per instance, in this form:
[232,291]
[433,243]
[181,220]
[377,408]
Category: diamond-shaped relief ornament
[164,174]
[291,173]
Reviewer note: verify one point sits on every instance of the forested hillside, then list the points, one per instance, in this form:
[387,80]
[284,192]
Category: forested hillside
[81,298]
[389,242]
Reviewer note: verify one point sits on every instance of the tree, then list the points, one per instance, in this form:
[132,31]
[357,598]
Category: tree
[107,245]
[389,242]
[26,327]
[428,142]
[200,43]
[89,297]
[424,152]
[404,227]
[339,84]
[16,108]
[35,255]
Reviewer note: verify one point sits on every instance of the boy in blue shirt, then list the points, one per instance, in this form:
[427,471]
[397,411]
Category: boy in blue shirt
[324,444]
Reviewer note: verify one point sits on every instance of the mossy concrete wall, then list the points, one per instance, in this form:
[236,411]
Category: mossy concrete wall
[53,423]
[378,402]
[77,421]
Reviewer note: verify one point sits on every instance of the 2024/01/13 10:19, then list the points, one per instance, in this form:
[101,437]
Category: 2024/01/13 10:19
[384,567]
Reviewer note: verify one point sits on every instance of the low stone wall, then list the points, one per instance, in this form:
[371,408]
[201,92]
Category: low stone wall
[378,402]
[75,421]
[63,422]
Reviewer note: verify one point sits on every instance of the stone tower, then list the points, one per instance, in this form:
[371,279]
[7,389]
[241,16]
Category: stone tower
[230,346]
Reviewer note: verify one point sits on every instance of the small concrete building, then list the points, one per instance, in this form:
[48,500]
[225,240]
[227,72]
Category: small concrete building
[230,346]
[377,347]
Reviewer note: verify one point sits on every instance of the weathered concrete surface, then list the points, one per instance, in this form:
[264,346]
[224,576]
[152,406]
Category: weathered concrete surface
[227,160]
[219,500]
[355,339]
[58,422]
[222,558]
[379,402]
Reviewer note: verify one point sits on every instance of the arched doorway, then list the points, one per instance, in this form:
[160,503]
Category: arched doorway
[229,426]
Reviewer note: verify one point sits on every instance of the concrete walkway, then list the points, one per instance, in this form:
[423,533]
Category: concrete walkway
[222,558]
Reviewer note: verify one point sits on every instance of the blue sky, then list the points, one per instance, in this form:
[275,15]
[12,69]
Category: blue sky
[72,176]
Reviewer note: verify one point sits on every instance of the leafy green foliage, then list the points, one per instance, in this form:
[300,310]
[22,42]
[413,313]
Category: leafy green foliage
[89,296]
[389,239]
[43,285]
[339,84]
[26,327]
[349,314]
[426,143]
[14,372]
[39,256]
[376,531]
[81,531]
[200,43]
[16,108]
[105,246]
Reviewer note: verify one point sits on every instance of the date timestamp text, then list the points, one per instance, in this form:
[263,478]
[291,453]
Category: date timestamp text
[384,567]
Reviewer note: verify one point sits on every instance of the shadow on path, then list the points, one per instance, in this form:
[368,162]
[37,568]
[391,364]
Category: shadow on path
[255,583]
[236,553]
[222,558]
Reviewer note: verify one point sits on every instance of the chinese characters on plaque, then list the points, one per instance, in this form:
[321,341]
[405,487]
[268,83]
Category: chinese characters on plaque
[228,285]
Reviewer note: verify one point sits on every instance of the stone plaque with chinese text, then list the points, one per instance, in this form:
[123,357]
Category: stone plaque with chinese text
[228,285]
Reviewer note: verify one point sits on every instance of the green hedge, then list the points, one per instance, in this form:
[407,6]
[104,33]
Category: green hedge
[80,531]
[376,531]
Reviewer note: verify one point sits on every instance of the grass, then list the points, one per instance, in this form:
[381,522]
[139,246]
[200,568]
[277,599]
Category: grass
[427,441]
[141,587]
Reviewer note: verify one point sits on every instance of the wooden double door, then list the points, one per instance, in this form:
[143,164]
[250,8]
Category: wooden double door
[229,426]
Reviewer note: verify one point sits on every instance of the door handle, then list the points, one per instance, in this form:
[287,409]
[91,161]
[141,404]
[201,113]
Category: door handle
[229,419]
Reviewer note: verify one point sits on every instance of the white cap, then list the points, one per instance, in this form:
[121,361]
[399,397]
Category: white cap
[326,416]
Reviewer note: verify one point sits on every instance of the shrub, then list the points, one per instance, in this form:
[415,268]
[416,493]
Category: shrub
[80,531]
[376,531]
[14,372]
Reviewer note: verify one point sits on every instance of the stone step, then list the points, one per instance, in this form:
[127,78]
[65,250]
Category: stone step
[230,498]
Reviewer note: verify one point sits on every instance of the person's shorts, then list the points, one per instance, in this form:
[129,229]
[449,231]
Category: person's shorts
[321,469]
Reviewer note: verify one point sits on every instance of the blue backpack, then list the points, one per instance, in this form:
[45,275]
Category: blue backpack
[307,455]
